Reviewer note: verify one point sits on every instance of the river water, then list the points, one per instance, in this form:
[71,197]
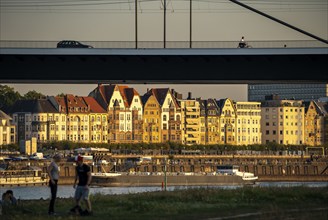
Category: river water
[67,191]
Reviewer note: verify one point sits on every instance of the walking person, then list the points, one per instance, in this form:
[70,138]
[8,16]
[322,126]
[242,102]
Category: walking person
[82,191]
[53,172]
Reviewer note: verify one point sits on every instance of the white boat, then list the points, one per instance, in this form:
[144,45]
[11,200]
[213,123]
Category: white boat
[234,170]
[247,176]
[104,174]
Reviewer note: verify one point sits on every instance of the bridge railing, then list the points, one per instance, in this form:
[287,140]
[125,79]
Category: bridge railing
[169,44]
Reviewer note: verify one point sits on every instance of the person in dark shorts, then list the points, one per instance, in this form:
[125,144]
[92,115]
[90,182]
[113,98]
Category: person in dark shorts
[53,172]
[83,175]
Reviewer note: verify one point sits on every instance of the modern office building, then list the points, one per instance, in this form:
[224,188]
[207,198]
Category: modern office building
[305,92]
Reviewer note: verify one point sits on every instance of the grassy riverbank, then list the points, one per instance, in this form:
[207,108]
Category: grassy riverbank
[203,203]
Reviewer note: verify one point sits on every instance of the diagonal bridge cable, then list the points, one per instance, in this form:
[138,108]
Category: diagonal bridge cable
[280,21]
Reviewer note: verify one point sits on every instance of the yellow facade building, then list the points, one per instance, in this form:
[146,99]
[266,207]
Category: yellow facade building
[282,121]
[151,119]
[170,114]
[191,124]
[227,121]
[77,117]
[7,129]
[125,112]
[315,123]
[209,122]
[248,123]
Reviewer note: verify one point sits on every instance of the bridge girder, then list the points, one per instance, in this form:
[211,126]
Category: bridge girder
[211,66]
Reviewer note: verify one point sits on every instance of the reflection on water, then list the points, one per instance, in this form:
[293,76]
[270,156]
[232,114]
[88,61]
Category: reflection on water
[39,192]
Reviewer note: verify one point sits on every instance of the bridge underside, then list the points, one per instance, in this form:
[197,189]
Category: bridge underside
[173,67]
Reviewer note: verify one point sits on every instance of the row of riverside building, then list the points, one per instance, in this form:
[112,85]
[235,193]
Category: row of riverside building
[118,114]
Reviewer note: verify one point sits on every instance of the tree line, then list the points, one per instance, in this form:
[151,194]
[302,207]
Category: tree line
[8,97]
[167,146]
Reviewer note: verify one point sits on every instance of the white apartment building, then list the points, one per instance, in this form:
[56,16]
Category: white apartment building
[248,123]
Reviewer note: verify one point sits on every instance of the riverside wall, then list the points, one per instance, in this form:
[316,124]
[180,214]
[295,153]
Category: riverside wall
[267,168]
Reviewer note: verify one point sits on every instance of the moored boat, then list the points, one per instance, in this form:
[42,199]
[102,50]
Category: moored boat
[234,170]
[103,174]
[100,175]
[22,178]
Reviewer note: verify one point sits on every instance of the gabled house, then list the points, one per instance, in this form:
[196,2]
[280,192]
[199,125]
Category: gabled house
[314,127]
[227,122]
[209,119]
[151,119]
[7,129]
[75,117]
[98,121]
[124,108]
[170,114]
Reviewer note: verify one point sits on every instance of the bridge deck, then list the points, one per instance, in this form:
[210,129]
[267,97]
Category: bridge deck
[52,65]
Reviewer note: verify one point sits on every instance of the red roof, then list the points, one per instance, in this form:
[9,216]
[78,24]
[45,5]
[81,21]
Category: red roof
[103,94]
[71,102]
[94,105]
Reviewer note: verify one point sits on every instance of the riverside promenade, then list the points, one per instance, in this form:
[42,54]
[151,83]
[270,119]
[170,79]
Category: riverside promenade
[266,167]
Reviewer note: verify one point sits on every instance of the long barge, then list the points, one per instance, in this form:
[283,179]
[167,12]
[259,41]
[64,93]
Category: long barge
[126,180]
[225,175]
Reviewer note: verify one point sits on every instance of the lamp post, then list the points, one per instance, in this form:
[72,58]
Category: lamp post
[165,177]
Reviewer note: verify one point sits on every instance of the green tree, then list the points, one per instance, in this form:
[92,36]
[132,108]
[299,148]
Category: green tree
[8,96]
[33,95]
[61,95]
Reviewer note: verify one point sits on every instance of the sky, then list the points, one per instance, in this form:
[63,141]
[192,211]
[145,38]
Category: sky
[197,91]
[113,20]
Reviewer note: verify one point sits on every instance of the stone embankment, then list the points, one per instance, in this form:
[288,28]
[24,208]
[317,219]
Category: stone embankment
[267,168]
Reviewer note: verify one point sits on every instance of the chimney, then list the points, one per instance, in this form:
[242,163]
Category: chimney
[189,95]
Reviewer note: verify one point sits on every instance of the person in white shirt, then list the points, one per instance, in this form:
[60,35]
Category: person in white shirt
[53,172]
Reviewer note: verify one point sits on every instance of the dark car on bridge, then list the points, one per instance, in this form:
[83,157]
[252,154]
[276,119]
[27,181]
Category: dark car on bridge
[72,44]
